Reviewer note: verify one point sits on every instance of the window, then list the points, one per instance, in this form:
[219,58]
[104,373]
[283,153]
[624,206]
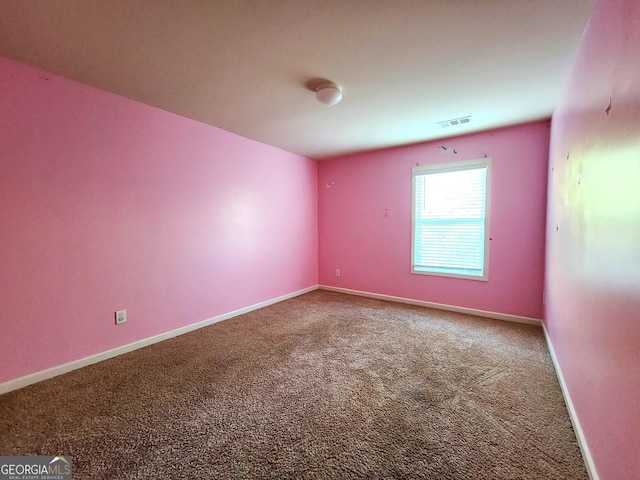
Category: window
[450,219]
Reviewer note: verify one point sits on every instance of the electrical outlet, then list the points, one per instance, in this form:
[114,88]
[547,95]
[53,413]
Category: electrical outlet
[121,317]
[337,272]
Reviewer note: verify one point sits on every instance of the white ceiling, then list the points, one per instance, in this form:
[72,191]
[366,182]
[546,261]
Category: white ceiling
[246,65]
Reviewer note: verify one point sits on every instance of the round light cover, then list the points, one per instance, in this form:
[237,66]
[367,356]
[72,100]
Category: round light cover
[328,94]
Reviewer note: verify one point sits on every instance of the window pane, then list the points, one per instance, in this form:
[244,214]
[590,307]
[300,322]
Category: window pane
[454,194]
[451,245]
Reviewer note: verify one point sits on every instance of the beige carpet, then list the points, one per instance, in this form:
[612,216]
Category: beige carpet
[321,386]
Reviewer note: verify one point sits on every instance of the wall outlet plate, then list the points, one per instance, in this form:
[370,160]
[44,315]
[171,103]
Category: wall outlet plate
[121,317]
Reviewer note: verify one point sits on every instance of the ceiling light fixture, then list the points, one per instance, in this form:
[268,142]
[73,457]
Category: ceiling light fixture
[328,93]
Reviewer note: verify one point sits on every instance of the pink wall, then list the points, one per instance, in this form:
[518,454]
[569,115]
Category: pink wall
[593,237]
[372,250]
[106,203]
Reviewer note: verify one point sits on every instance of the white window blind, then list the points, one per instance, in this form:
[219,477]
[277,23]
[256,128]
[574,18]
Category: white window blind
[450,219]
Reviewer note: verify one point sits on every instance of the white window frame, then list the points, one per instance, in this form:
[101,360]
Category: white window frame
[450,167]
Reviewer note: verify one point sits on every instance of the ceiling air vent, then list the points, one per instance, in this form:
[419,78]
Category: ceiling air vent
[454,121]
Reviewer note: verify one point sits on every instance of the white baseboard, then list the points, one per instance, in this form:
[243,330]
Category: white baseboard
[439,306]
[114,352]
[573,415]
[83,362]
